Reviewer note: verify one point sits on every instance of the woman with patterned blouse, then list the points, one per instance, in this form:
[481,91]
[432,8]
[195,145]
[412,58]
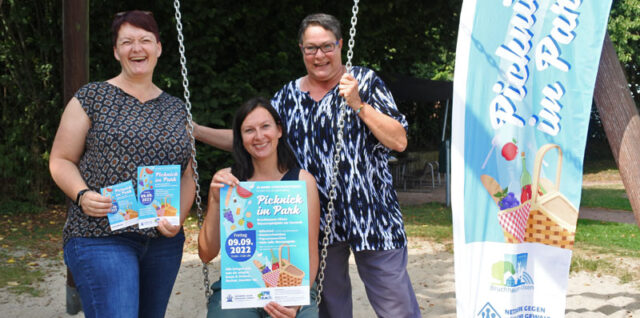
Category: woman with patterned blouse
[106,132]
[367,216]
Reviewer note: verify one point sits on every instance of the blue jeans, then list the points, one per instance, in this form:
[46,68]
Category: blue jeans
[214,308]
[125,275]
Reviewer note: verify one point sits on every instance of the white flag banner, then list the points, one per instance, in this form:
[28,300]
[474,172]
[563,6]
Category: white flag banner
[523,86]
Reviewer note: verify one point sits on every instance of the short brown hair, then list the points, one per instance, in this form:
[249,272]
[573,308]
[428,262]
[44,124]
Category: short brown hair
[327,21]
[137,18]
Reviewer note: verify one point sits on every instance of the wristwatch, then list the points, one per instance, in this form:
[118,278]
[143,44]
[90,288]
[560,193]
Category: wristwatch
[80,193]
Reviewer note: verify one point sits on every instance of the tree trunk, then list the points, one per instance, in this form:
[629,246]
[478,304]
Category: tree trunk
[620,121]
[75,42]
[75,52]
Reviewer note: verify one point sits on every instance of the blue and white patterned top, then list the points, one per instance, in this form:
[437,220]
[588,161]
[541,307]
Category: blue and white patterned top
[367,214]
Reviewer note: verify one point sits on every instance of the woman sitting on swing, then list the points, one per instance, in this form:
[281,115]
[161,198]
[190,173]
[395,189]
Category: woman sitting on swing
[261,153]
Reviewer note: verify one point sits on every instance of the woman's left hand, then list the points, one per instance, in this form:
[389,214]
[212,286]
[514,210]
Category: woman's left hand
[348,89]
[167,229]
[276,310]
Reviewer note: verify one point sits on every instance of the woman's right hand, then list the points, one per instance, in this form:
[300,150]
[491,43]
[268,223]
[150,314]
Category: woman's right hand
[95,204]
[220,179]
[276,310]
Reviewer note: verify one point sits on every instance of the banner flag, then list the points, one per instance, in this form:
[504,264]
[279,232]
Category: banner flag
[523,87]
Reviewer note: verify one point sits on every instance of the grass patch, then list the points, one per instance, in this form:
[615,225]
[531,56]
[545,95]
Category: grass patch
[598,166]
[626,277]
[605,197]
[13,207]
[21,279]
[602,186]
[431,220]
[619,238]
[26,241]
[581,263]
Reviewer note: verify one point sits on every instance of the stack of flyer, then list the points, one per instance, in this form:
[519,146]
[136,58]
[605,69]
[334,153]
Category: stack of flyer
[158,197]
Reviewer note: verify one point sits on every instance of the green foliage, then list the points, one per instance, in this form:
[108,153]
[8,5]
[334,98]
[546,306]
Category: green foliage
[30,83]
[624,31]
[234,50]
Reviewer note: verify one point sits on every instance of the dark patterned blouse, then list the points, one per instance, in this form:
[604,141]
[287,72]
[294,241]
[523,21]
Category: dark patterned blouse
[367,214]
[125,134]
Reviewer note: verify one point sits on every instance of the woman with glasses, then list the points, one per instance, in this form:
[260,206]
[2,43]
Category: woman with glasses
[367,217]
[106,132]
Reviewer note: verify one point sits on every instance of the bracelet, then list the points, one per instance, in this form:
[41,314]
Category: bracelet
[360,108]
[79,196]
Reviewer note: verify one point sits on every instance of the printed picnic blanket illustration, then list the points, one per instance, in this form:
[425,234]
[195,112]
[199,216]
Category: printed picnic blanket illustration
[264,239]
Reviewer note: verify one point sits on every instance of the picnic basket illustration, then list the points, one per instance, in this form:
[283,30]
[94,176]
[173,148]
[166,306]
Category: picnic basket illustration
[286,275]
[289,274]
[547,218]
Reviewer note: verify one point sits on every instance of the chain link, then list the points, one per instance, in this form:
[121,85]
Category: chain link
[336,157]
[333,194]
[194,162]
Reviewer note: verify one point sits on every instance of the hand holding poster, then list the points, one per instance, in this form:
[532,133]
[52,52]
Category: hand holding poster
[524,78]
[265,244]
[158,194]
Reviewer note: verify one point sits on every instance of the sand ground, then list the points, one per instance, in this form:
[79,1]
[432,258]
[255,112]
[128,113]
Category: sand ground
[430,267]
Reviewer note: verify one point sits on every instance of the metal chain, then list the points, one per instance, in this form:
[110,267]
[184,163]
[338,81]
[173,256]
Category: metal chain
[352,34]
[194,162]
[336,160]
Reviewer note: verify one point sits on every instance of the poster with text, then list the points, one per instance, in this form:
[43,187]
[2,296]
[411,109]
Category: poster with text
[264,244]
[523,87]
[124,205]
[158,195]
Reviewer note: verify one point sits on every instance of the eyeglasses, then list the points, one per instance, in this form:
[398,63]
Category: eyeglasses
[120,14]
[325,48]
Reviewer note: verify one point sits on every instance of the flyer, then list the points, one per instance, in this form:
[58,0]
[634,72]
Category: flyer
[124,205]
[158,195]
[264,238]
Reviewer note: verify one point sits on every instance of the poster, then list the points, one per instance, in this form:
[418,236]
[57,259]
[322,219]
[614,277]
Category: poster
[158,195]
[523,86]
[264,243]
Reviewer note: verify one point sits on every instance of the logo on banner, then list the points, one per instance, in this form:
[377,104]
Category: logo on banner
[510,274]
[264,295]
[488,311]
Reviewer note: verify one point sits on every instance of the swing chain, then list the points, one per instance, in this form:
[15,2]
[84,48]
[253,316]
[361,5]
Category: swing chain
[194,162]
[333,194]
[352,33]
